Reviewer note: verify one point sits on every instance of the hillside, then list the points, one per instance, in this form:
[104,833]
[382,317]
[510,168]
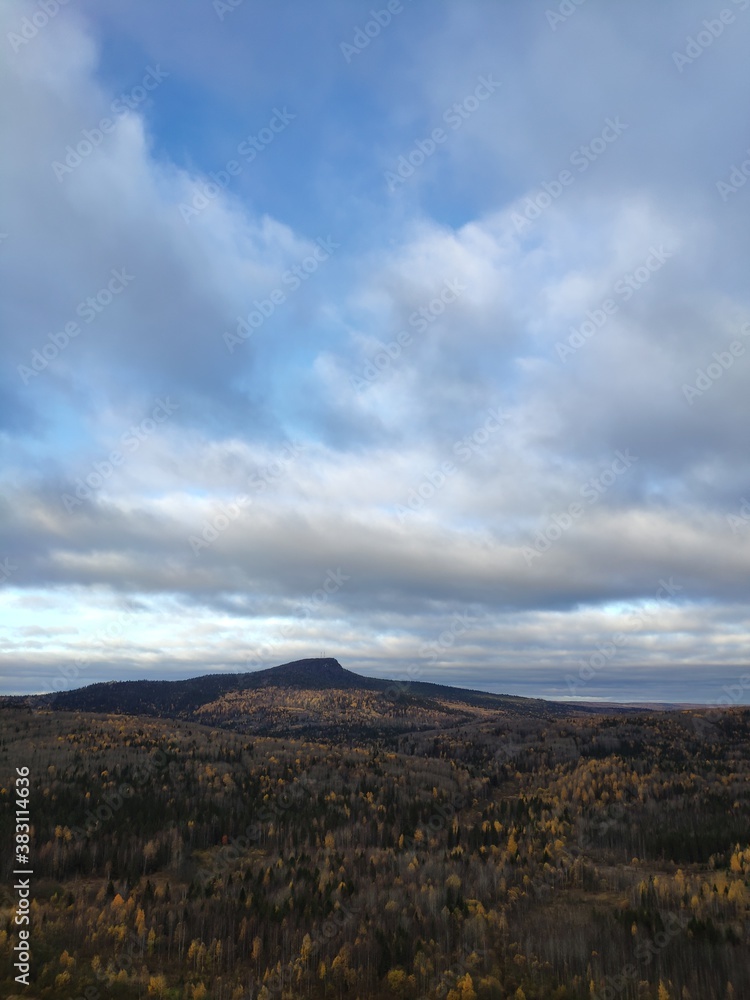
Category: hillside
[535,858]
[312,698]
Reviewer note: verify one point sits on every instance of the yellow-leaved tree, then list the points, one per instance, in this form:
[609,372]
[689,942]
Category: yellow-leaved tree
[157,987]
[466,985]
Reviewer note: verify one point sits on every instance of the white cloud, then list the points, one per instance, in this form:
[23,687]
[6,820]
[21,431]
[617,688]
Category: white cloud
[496,300]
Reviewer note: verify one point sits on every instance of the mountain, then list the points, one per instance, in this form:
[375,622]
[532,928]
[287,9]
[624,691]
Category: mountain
[313,674]
[312,698]
[178,698]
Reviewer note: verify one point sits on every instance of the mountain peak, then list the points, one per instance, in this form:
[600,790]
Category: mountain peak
[318,671]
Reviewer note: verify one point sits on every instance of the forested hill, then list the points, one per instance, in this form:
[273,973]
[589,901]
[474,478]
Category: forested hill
[182,698]
[311,697]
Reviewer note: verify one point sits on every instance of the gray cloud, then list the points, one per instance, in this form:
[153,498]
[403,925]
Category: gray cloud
[366,489]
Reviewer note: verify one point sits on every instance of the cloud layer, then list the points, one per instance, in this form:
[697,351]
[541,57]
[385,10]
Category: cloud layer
[431,353]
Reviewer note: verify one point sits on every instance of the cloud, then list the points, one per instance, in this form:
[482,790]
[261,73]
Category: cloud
[425,404]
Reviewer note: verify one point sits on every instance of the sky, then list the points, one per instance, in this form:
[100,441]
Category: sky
[415,334]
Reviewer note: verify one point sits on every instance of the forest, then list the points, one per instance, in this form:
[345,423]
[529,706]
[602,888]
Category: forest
[513,856]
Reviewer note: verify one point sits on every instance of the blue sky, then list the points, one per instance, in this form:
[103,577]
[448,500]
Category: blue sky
[431,353]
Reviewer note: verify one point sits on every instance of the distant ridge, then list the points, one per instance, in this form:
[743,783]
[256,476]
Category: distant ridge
[185,696]
[314,696]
